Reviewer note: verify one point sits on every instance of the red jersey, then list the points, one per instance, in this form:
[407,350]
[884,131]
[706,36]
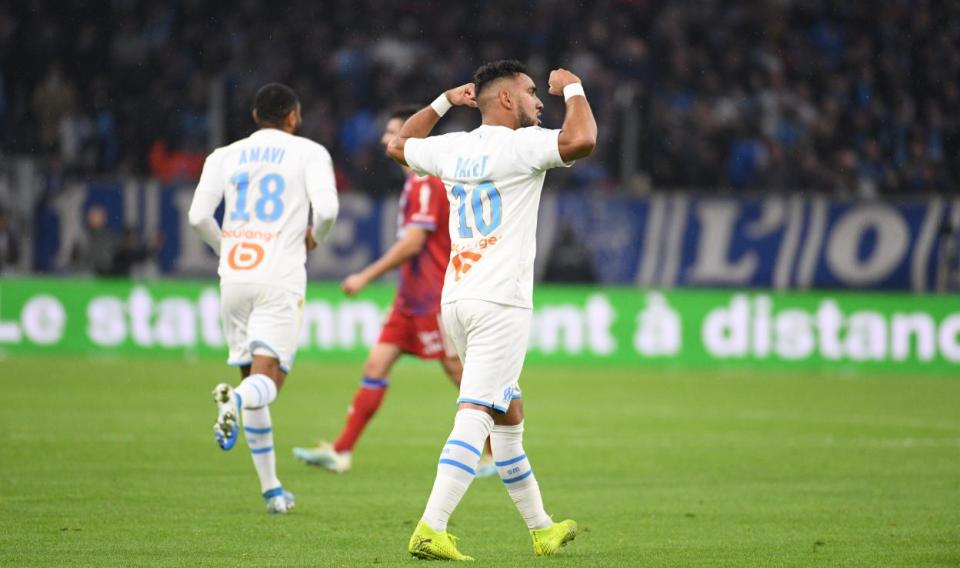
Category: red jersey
[424,204]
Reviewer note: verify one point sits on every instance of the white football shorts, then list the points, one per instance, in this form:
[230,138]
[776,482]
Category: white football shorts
[491,340]
[260,320]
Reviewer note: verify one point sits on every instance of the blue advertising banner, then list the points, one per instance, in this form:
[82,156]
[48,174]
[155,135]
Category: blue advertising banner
[781,242]
[658,241]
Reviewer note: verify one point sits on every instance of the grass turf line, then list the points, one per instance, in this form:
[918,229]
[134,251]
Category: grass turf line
[113,463]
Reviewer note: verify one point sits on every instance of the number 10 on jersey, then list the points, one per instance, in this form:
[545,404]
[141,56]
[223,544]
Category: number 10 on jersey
[485,204]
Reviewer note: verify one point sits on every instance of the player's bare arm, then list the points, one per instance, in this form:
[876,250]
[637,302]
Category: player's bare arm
[408,246]
[578,135]
[421,124]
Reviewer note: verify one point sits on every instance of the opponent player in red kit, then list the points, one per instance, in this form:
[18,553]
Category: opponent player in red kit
[422,252]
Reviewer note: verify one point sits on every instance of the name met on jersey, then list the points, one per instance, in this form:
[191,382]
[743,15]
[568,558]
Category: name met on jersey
[467,167]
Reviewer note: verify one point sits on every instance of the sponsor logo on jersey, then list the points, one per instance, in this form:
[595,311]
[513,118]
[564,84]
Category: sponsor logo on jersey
[463,262]
[245,256]
[250,234]
[476,243]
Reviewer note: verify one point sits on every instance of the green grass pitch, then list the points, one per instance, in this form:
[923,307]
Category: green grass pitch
[113,463]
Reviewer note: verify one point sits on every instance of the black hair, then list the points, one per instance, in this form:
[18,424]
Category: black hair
[490,72]
[403,112]
[274,102]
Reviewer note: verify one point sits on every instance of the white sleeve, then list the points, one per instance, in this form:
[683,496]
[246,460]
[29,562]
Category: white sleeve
[322,191]
[423,154]
[206,199]
[539,148]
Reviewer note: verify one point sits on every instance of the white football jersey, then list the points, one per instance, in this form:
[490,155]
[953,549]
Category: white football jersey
[494,176]
[268,182]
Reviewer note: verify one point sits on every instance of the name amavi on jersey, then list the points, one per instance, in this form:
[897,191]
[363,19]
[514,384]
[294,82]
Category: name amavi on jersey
[265,155]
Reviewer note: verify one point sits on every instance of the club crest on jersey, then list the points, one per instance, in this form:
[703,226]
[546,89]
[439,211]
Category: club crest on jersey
[245,256]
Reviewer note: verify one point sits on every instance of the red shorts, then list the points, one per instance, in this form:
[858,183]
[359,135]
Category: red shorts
[417,335]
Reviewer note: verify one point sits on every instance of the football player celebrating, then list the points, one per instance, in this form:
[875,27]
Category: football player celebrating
[422,252]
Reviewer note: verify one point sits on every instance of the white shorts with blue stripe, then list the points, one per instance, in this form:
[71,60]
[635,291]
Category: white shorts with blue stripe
[491,340]
[260,320]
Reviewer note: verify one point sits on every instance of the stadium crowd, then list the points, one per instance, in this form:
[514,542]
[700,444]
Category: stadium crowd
[856,98]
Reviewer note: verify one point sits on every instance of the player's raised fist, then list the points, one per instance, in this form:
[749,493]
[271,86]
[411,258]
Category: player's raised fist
[560,78]
[464,95]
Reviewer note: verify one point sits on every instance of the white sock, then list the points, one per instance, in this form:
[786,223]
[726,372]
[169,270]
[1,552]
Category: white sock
[258,428]
[256,391]
[458,465]
[517,475]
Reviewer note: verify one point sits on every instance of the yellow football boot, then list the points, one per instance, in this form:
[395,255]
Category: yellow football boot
[428,544]
[549,540]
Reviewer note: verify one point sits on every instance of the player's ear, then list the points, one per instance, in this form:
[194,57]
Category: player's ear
[505,99]
[254,114]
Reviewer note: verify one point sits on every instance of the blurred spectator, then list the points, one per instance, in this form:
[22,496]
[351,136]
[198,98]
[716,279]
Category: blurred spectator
[176,165]
[9,245]
[570,259]
[855,97]
[53,101]
[948,260]
[96,254]
[105,253]
[131,252]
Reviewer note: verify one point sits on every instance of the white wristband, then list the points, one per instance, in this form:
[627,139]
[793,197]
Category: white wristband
[573,90]
[441,104]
